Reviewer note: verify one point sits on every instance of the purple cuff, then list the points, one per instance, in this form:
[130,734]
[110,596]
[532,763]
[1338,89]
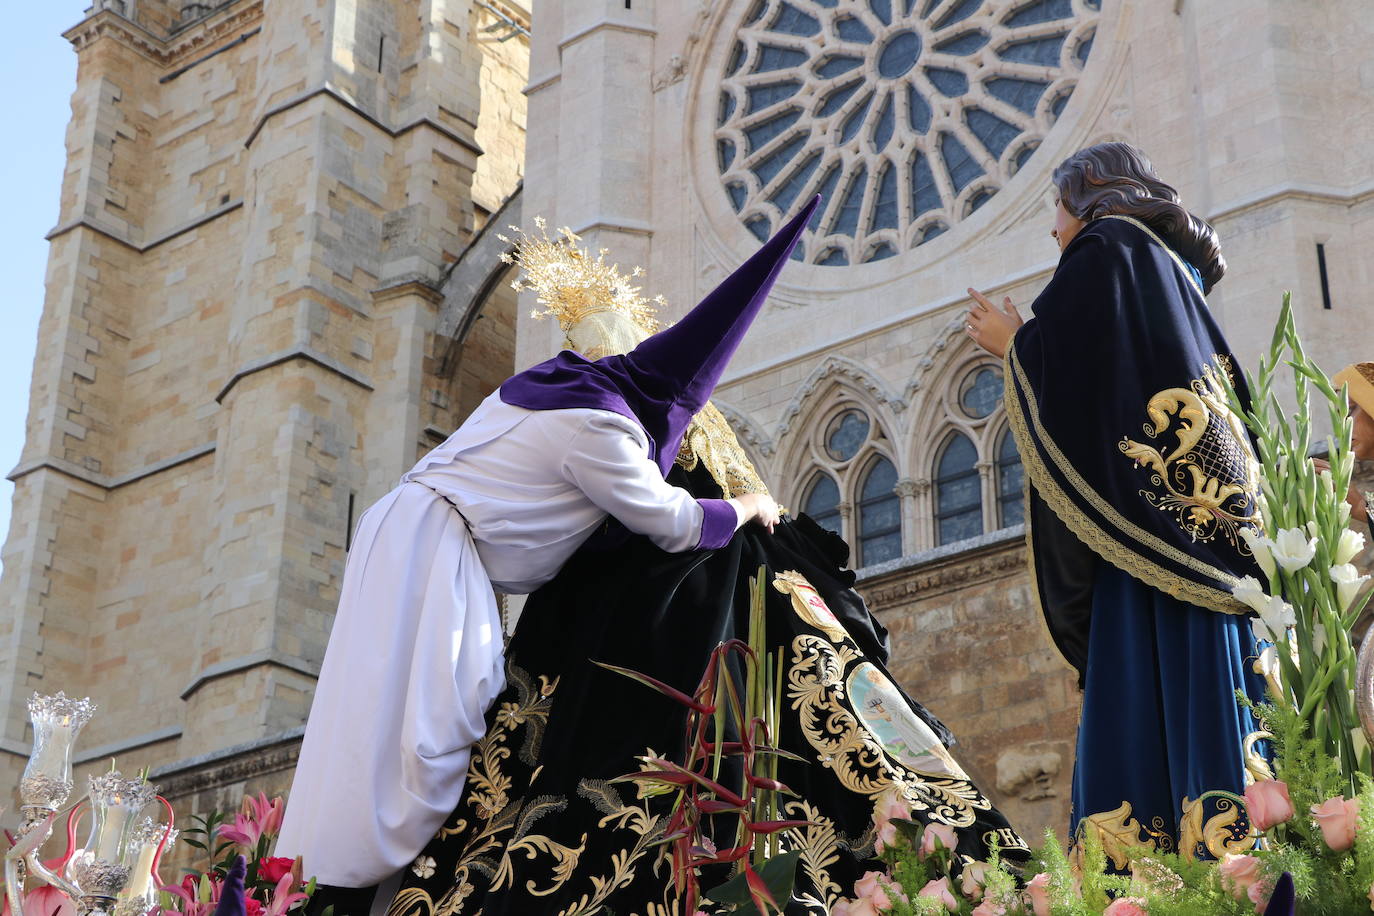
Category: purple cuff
[718,523]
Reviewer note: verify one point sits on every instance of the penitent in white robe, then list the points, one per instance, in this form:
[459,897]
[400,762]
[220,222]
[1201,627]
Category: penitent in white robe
[415,656]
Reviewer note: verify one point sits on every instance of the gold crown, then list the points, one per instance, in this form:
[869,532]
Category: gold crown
[571,284]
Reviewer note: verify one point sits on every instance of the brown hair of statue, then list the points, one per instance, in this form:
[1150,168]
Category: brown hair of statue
[1118,179]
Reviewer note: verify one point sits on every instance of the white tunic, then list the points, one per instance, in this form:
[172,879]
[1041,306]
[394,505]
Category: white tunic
[414,660]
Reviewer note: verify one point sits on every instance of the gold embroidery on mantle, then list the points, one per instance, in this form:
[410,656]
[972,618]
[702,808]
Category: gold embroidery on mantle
[1106,543]
[1208,480]
[816,687]
[1118,832]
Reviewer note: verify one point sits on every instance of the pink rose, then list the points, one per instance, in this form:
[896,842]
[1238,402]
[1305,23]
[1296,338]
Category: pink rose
[861,907]
[936,836]
[1371,896]
[878,889]
[1126,906]
[251,907]
[973,880]
[1038,894]
[989,908]
[1268,803]
[1338,818]
[1259,895]
[887,807]
[939,890]
[1238,873]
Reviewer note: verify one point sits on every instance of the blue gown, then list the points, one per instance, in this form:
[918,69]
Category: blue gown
[1161,728]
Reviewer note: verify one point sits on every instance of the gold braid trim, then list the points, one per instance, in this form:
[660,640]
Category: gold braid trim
[1182,265]
[1106,546]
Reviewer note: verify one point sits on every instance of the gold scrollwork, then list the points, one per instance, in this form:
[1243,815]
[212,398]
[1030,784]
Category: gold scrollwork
[816,688]
[1209,481]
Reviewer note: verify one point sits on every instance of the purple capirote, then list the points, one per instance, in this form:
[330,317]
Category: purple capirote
[662,383]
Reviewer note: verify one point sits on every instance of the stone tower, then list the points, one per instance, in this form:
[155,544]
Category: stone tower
[248,335]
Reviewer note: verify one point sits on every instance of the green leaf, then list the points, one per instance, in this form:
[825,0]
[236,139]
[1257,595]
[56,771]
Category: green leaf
[778,873]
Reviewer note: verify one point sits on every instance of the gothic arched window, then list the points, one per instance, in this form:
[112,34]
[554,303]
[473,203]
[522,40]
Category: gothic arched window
[880,515]
[823,502]
[1011,481]
[958,492]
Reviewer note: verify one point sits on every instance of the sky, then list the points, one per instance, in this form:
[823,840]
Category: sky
[39,66]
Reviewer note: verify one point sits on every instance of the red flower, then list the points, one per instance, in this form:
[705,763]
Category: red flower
[251,907]
[271,868]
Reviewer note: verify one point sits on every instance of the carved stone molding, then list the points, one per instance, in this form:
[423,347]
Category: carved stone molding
[230,767]
[168,51]
[748,432]
[675,70]
[843,370]
[951,333]
[923,581]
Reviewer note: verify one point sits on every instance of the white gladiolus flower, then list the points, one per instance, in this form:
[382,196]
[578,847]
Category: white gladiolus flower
[1259,546]
[1349,546]
[1329,481]
[1348,583]
[1274,619]
[1293,549]
[1249,592]
[1319,638]
[1312,528]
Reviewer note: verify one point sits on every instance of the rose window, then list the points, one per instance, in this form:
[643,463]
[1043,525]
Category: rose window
[904,115]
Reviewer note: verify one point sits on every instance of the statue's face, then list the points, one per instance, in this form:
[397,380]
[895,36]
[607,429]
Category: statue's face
[1362,436]
[1066,225]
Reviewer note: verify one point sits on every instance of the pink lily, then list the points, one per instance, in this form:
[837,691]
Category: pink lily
[258,818]
[283,897]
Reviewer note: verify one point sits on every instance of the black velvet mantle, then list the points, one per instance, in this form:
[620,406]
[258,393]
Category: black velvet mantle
[541,831]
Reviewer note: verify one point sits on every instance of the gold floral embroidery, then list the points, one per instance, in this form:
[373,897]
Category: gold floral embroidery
[1104,542]
[1209,481]
[816,687]
[819,845]
[1118,832]
[1228,830]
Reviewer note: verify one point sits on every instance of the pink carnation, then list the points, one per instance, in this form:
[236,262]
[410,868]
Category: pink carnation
[1338,819]
[1126,906]
[1038,894]
[1268,803]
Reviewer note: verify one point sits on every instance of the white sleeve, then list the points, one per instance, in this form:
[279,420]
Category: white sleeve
[608,460]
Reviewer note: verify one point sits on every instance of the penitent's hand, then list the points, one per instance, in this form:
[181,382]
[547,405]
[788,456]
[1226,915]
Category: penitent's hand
[761,508]
[990,327]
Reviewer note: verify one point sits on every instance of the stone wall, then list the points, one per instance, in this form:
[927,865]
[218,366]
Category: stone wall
[239,351]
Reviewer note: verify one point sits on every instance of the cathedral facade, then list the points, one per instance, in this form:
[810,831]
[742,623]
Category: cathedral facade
[276,281]
[678,135]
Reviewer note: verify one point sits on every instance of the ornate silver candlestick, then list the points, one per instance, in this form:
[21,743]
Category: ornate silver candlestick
[102,868]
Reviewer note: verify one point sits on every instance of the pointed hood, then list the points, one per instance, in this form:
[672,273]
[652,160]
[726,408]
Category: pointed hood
[664,381]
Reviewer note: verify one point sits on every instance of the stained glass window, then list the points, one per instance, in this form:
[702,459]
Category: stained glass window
[818,95]
[846,435]
[1011,481]
[981,392]
[958,492]
[823,502]
[880,515]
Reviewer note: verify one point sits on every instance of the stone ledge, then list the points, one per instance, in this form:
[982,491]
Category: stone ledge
[246,662]
[114,748]
[105,481]
[276,359]
[996,553]
[230,765]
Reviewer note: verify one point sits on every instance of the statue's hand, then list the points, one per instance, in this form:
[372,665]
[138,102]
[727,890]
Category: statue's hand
[992,328]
